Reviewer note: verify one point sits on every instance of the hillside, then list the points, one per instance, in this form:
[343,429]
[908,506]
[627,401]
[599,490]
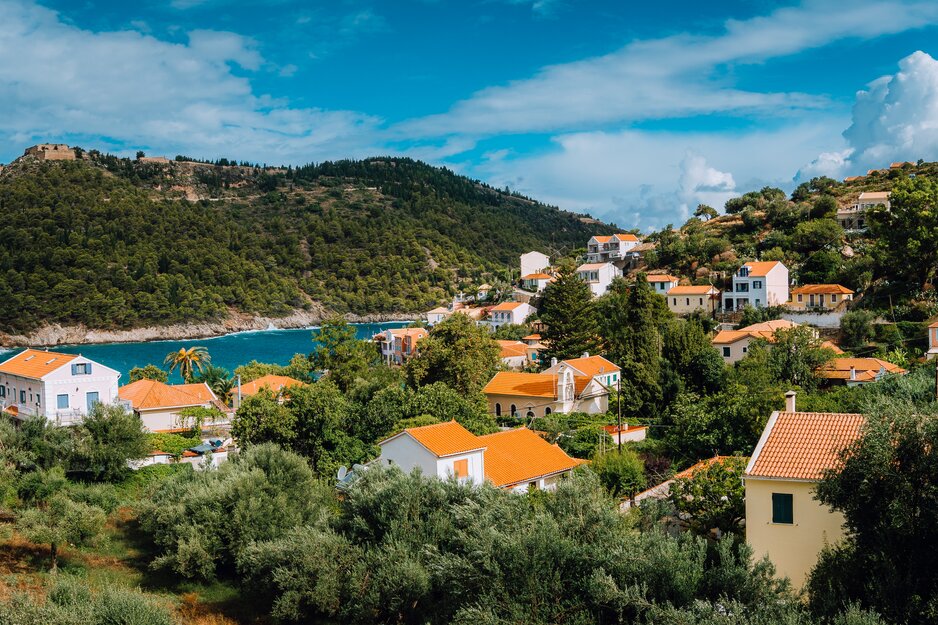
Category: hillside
[120,243]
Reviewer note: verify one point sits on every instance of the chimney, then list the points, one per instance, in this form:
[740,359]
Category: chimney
[553,362]
[790,401]
[585,355]
[853,373]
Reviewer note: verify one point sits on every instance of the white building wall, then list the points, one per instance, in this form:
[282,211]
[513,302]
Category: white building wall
[737,350]
[534,262]
[102,380]
[476,466]
[776,286]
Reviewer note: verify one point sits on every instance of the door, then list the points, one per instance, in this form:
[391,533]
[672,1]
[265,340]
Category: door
[92,399]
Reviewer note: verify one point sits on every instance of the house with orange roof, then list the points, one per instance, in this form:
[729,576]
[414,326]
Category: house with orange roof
[509,313]
[516,460]
[662,282]
[783,519]
[61,387]
[856,371]
[598,276]
[534,262]
[932,341]
[529,395]
[536,282]
[279,385]
[160,405]
[437,315]
[517,354]
[758,284]
[596,367]
[663,490]
[821,297]
[733,345]
[397,345]
[685,300]
[610,248]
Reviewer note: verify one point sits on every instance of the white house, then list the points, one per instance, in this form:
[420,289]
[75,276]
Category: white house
[437,315]
[61,387]
[603,249]
[854,217]
[528,395]
[509,312]
[515,460]
[160,405]
[517,354]
[758,284]
[536,282]
[596,367]
[534,262]
[662,283]
[598,276]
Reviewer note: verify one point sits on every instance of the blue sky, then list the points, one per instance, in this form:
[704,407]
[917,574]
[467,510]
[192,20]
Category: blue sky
[634,112]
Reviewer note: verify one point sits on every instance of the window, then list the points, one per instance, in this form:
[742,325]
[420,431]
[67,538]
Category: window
[687,301]
[800,297]
[745,349]
[530,414]
[742,288]
[61,402]
[726,352]
[22,397]
[461,468]
[81,368]
[92,399]
[498,409]
[833,297]
[758,303]
[782,511]
[757,284]
[674,301]
[514,410]
[547,411]
[3,391]
[700,301]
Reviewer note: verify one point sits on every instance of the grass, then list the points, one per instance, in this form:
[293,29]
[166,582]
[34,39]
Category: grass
[121,558]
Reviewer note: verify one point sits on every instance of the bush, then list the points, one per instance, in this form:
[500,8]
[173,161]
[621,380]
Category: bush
[621,472]
[856,326]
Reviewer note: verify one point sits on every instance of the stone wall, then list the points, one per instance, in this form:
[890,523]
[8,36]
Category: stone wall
[51,152]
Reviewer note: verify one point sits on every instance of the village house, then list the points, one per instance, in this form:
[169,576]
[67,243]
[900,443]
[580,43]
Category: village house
[399,344]
[932,341]
[663,490]
[483,291]
[509,312]
[516,460]
[279,385]
[603,371]
[437,315]
[758,284]
[733,345]
[626,433]
[783,519]
[536,282]
[598,276]
[662,282]
[684,300]
[854,217]
[160,405]
[822,297]
[529,395]
[604,249]
[517,354]
[534,262]
[61,387]
[856,371]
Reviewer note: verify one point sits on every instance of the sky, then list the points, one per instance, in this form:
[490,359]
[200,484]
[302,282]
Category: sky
[632,112]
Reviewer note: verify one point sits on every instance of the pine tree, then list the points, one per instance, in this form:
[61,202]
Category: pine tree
[568,310]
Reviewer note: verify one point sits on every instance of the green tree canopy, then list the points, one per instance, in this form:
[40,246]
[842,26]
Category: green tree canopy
[569,313]
[339,352]
[458,353]
[149,372]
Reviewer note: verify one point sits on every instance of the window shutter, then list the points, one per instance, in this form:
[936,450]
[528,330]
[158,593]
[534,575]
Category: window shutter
[782,511]
[74,369]
[88,368]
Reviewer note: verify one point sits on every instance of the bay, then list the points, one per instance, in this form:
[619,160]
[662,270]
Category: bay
[228,351]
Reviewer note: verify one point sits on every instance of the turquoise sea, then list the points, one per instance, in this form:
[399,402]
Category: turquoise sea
[229,351]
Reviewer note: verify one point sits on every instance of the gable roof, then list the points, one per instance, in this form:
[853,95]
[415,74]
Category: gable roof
[520,455]
[866,369]
[151,394]
[814,289]
[705,289]
[618,237]
[662,277]
[933,325]
[35,363]
[591,266]
[198,389]
[802,445]
[443,439]
[874,195]
[761,268]
[770,326]
[537,276]
[765,330]
[512,349]
[274,383]
[506,306]
[592,366]
[530,384]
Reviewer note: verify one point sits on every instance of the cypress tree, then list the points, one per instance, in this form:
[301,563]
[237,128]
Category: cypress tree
[568,310]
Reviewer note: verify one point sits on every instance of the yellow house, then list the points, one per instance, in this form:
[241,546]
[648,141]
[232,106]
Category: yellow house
[783,519]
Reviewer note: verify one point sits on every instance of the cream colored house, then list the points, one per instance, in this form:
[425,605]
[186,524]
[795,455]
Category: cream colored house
[684,300]
[783,519]
[820,297]
[733,345]
[160,405]
[528,395]
[662,283]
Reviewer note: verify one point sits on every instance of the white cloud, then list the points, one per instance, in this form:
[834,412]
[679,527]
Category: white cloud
[158,95]
[672,76]
[701,184]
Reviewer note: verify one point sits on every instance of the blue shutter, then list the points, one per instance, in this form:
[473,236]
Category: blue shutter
[88,368]
[74,369]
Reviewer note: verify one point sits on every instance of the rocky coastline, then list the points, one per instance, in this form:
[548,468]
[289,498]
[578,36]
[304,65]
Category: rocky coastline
[57,334]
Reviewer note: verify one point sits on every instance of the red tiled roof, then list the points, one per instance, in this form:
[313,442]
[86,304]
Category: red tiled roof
[518,456]
[705,289]
[444,439]
[35,363]
[274,383]
[149,394]
[802,445]
[825,289]
[762,268]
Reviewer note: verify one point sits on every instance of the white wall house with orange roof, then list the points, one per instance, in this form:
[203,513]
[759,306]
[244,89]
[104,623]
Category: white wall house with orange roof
[61,387]
[758,284]
[160,405]
[662,282]
[733,345]
[534,262]
[685,300]
[536,282]
[278,385]
[509,313]
[783,519]
[529,395]
[609,248]
[598,368]
[516,460]
[598,276]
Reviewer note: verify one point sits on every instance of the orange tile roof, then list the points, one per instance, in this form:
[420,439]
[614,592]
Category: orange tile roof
[505,307]
[418,333]
[760,269]
[529,384]
[770,326]
[200,390]
[831,346]
[726,337]
[703,464]
[273,383]
[765,330]
[35,363]
[662,277]
[815,289]
[537,276]
[866,368]
[517,456]
[444,439]
[619,237]
[591,266]
[150,394]
[802,445]
[537,337]
[511,349]
[705,289]
[933,325]
[874,195]
[592,366]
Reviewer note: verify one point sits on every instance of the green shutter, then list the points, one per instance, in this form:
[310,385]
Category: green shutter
[782,511]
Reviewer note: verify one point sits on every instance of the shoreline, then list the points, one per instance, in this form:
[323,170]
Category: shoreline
[54,335]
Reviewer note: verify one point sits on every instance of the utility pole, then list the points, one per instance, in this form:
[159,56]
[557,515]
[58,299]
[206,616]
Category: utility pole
[619,404]
[936,378]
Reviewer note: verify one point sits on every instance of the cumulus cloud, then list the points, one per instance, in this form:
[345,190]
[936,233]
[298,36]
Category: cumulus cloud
[155,94]
[702,184]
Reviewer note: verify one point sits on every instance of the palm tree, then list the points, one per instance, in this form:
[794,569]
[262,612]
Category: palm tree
[187,360]
[218,379]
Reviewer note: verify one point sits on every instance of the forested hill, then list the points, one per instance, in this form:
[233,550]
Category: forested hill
[120,243]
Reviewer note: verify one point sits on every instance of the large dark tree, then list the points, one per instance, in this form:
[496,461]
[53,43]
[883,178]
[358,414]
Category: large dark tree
[906,235]
[568,310]
[457,352]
